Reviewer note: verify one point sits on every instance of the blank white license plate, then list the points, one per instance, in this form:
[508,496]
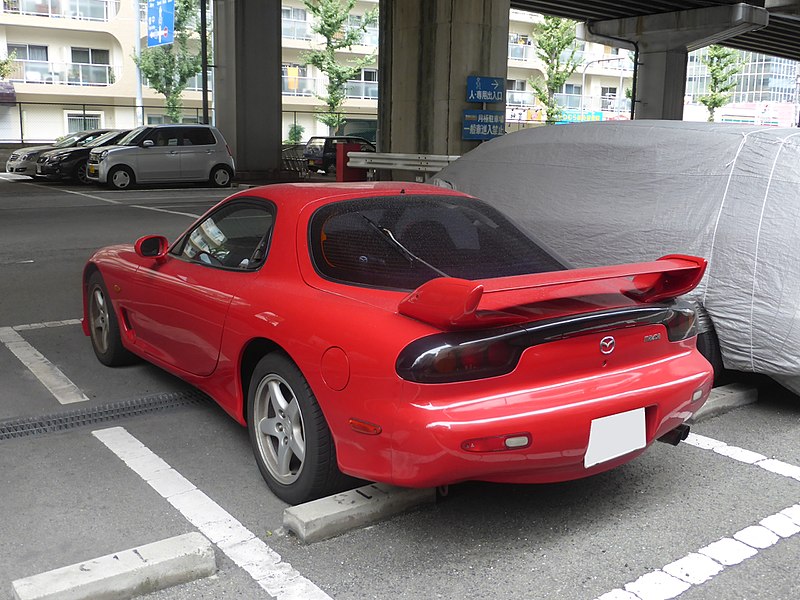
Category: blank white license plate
[614,436]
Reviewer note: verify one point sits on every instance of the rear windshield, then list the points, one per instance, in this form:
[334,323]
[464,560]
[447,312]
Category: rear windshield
[400,242]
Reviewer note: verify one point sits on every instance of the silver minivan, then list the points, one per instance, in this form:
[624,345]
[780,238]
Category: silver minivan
[164,154]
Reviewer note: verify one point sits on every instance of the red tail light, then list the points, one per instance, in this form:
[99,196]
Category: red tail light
[681,323]
[449,358]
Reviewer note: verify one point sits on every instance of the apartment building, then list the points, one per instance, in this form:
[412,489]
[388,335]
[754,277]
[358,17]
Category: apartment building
[74,69]
[767,90]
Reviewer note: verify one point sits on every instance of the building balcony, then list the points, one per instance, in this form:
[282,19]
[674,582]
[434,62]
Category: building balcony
[364,90]
[606,103]
[86,10]
[36,71]
[295,30]
[311,86]
[298,86]
[520,52]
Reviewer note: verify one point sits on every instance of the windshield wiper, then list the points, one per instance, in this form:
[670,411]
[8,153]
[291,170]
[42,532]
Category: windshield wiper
[387,235]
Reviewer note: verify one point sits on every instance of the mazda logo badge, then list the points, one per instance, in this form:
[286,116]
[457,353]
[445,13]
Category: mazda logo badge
[607,344]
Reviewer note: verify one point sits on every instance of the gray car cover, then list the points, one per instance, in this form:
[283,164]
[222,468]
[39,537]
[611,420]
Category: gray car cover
[627,191]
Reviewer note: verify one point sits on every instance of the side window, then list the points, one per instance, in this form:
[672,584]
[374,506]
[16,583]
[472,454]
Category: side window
[164,136]
[235,237]
[198,136]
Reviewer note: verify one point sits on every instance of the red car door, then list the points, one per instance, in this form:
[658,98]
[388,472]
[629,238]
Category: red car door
[180,312]
[177,307]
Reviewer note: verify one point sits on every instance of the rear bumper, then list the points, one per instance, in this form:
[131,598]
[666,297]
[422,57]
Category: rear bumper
[558,416]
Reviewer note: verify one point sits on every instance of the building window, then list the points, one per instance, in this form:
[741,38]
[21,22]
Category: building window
[31,63]
[608,98]
[28,51]
[78,121]
[365,87]
[370,35]
[90,66]
[294,23]
[517,93]
[91,56]
[573,89]
[295,80]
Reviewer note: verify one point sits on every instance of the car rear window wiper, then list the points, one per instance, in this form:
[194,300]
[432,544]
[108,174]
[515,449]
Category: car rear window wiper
[400,248]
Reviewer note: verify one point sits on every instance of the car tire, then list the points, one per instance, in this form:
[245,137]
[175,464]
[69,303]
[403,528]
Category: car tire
[103,325]
[121,178]
[291,441]
[221,176]
[80,173]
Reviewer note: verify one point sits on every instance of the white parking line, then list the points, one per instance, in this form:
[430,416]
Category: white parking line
[109,201]
[46,372]
[699,567]
[46,324]
[84,194]
[746,456]
[263,564]
[164,210]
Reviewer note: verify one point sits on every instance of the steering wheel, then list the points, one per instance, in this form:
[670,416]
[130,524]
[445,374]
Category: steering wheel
[208,258]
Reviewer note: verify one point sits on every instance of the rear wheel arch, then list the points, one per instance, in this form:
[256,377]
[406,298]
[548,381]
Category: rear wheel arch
[255,350]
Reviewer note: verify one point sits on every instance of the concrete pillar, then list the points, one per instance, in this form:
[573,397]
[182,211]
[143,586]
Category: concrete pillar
[428,48]
[664,42]
[247,83]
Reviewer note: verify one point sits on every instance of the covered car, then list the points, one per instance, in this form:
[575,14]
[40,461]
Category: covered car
[607,192]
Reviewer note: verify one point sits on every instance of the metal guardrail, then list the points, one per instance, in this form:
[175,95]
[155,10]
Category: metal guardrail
[418,163]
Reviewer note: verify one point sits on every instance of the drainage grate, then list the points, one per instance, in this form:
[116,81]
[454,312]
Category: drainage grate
[14,428]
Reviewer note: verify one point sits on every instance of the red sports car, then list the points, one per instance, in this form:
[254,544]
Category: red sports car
[404,333]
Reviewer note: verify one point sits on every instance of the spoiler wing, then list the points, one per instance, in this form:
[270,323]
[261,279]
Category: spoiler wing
[452,303]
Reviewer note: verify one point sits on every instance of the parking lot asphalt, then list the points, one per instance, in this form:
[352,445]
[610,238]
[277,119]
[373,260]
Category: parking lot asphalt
[66,496]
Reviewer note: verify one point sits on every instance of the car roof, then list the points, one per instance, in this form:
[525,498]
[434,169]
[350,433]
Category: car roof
[299,195]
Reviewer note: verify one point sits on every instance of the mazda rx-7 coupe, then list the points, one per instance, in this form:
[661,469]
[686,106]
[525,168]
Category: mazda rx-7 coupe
[404,333]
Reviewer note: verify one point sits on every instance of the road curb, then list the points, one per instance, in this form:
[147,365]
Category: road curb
[724,399]
[334,515]
[125,574]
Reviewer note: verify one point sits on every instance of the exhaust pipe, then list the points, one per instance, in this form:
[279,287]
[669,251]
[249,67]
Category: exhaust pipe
[676,436]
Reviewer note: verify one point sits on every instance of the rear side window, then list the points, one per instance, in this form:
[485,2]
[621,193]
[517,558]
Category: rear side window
[198,136]
[403,241]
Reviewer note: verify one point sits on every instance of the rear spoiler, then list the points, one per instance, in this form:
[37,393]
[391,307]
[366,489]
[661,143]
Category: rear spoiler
[452,303]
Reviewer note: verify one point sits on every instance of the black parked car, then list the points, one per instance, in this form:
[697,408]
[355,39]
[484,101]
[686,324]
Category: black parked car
[320,151]
[70,163]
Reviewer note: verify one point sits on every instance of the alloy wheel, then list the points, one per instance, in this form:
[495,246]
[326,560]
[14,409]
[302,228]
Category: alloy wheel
[281,436]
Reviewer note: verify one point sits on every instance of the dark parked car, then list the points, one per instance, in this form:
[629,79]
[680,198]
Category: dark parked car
[23,161]
[320,151]
[70,163]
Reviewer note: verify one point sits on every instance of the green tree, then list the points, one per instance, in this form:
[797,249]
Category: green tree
[554,38]
[723,66]
[333,23]
[169,67]
[296,133]
[7,65]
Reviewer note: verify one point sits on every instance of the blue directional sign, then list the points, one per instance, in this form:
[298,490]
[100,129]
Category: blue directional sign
[485,89]
[483,124]
[160,22]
